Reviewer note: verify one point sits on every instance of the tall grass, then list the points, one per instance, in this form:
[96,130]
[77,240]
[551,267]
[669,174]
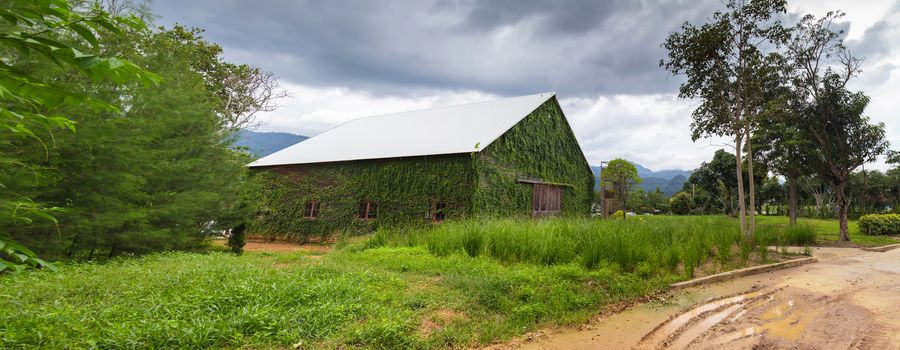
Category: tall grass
[372,299]
[657,244]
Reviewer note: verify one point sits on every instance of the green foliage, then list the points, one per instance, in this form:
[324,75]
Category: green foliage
[793,235]
[659,244]
[403,189]
[880,224]
[236,239]
[542,146]
[41,41]
[727,65]
[621,176]
[641,201]
[828,230]
[152,172]
[375,299]
[681,203]
[832,117]
[15,257]
[484,184]
[718,182]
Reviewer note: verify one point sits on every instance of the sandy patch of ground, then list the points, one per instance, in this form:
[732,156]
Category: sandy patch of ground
[437,320]
[849,300]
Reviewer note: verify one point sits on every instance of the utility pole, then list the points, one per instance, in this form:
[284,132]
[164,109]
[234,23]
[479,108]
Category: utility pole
[865,189]
[603,209]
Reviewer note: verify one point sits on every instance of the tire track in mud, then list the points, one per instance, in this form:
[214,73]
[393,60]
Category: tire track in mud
[681,330]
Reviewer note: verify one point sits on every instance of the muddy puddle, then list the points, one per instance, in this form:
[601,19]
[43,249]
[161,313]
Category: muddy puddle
[849,300]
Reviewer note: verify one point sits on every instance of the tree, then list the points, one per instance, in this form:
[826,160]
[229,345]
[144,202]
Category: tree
[621,176]
[681,203]
[727,68]
[34,102]
[157,175]
[782,146]
[242,91]
[771,193]
[831,116]
[717,178]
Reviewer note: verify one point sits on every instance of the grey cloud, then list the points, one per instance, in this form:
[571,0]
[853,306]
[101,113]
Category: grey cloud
[506,47]
[875,43]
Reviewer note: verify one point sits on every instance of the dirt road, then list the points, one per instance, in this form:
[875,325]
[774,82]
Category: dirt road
[850,299]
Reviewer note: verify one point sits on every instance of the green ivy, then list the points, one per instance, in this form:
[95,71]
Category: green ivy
[404,190]
[542,147]
[484,184]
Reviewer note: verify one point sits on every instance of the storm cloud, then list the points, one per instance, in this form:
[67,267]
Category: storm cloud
[508,47]
[345,59]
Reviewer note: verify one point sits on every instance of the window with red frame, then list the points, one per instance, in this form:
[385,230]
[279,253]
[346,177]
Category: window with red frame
[312,210]
[367,211]
[437,211]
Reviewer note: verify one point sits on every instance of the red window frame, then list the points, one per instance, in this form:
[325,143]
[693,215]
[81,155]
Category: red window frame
[367,210]
[438,213]
[311,211]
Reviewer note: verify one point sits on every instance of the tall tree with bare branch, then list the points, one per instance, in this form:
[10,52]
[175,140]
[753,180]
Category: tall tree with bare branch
[727,63]
[828,112]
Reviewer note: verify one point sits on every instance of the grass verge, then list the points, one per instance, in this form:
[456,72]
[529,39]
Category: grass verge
[380,298]
[458,285]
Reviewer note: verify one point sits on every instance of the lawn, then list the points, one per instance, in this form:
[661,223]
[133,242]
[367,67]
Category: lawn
[828,230]
[458,285]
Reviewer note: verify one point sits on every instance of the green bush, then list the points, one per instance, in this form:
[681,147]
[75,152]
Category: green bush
[880,224]
[681,203]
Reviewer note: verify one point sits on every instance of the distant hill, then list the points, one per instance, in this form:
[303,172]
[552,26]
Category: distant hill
[670,181]
[262,144]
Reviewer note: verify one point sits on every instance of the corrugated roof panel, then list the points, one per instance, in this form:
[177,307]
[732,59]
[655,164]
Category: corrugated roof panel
[443,130]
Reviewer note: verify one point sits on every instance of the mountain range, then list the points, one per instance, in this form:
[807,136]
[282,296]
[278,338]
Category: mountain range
[669,181]
[261,144]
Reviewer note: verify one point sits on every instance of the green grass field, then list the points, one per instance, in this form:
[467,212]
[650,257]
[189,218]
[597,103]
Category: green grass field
[828,230]
[382,298]
[459,285]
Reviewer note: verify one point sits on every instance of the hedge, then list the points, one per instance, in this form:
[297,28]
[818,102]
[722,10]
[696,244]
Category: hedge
[880,224]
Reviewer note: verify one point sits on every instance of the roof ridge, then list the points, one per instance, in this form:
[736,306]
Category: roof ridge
[551,94]
[475,125]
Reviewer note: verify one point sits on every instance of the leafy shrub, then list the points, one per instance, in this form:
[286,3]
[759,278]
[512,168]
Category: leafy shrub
[880,224]
[681,203]
[236,240]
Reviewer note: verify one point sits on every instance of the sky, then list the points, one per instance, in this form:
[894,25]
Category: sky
[340,60]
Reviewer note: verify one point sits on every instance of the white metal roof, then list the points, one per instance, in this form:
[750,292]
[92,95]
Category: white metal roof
[444,130]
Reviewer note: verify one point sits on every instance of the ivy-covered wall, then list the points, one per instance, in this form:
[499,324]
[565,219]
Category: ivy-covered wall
[541,147]
[483,184]
[404,190]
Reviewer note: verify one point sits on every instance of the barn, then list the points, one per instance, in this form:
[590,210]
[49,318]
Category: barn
[514,157]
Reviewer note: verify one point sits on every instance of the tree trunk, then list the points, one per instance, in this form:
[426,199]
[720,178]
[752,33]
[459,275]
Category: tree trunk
[742,209]
[792,199]
[751,227]
[843,206]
